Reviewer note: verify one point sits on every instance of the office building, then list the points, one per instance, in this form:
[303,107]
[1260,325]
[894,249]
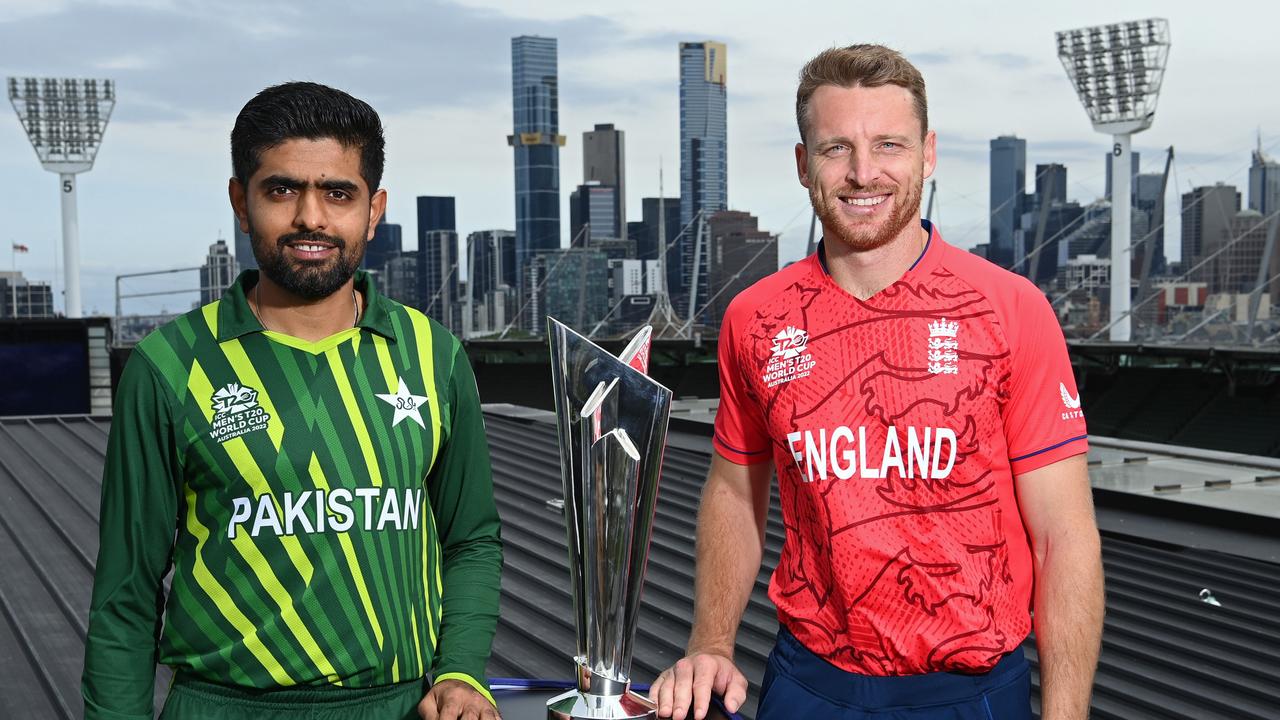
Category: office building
[438,283]
[387,243]
[571,285]
[593,214]
[704,185]
[217,273]
[1206,213]
[399,277]
[1148,199]
[1264,182]
[604,161]
[21,298]
[244,247]
[741,254]
[1008,187]
[492,280]
[435,213]
[536,140]
[1242,243]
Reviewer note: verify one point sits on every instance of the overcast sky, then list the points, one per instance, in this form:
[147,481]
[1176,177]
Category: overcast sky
[439,73]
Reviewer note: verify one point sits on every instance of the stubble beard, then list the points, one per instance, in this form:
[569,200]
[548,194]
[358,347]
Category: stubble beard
[861,238]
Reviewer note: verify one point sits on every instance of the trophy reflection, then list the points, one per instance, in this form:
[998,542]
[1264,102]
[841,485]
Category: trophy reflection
[612,420]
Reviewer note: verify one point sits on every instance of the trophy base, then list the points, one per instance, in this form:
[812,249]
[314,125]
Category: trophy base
[575,705]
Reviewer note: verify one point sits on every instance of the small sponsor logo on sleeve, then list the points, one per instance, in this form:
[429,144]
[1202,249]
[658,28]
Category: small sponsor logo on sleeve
[1070,402]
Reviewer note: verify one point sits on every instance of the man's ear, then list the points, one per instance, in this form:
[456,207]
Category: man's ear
[802,164]
[239,203]
[377,206]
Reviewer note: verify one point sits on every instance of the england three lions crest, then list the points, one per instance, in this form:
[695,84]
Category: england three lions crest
[943,346]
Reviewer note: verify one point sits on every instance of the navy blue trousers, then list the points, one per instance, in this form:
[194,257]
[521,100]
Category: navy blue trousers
[799,684]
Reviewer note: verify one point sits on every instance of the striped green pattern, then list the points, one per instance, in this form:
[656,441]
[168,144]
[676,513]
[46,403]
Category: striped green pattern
[306,549]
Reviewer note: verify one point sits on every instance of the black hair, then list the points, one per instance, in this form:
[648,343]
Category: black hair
[309,111]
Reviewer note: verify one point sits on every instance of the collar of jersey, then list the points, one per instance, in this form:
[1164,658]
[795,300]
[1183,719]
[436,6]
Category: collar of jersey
[235,318]
[934,240]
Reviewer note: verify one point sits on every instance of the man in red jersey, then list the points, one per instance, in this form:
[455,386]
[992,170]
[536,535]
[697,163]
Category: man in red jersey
[919,407]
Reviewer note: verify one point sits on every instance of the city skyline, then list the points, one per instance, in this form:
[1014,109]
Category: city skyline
[446,128]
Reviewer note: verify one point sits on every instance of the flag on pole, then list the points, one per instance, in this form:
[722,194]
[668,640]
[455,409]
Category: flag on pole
[20,248]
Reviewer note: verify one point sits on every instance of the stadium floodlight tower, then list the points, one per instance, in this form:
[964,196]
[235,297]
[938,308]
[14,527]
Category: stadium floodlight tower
[1117,70]
[64,119]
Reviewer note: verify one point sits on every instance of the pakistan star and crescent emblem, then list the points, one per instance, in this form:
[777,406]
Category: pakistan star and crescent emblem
[406,404]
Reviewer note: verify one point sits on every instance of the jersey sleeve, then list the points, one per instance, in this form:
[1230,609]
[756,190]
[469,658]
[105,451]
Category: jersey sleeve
[1043,420]
[461,492]
[137,522]
[740,435]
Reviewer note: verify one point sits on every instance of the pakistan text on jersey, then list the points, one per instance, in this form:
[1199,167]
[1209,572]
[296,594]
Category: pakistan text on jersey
[315,511]
[820,454]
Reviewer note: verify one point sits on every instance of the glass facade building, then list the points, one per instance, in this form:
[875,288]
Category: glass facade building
[1008,186]
[435,213]
[704,185]
[537,142]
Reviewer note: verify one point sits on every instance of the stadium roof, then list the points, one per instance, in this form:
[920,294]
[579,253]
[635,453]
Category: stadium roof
[1167,653]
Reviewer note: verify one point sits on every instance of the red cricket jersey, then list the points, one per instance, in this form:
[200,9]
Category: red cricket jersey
[896,425]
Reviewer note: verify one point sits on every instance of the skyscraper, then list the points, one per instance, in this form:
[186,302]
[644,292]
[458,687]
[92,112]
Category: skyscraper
[244,247]
[1051,183]
[1244,242]
[217,273]
[703,129]
[741,254]
[1206,213]
[438,284]
[536,139]
[491,279]
[604,160]
[1149,200]
[704,184]
[1264,182]
[386,243]
[1036,256]
[1008,186]
[435,213]
[595,206]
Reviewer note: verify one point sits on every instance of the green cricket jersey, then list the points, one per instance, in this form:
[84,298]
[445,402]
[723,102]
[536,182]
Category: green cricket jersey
[327,508]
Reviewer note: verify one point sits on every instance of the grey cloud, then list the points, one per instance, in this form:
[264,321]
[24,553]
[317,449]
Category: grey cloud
[1007,61]
[930,58]
[195,60]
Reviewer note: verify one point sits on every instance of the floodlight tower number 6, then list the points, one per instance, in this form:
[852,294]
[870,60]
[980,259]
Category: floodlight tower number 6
[1117,70]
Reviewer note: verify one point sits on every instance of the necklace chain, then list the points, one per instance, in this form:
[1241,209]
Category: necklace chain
[257,300]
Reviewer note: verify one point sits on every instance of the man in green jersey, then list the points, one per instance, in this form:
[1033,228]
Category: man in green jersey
[309,457]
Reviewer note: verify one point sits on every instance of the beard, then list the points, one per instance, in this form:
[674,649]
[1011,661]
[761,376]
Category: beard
[860,237]
[307,280]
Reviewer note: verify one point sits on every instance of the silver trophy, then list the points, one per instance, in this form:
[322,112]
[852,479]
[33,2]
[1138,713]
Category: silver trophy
[612,419]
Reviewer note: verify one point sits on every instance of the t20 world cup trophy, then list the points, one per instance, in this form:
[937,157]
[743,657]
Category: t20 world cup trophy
[612,419]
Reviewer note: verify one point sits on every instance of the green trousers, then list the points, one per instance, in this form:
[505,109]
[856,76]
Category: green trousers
[191,699]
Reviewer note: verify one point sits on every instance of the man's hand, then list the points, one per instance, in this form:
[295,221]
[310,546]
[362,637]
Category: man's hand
[684,689]
[456,700]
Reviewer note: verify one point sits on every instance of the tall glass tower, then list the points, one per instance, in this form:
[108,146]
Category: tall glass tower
[703,132]
[1008,185]
[704,184]
[537,143]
